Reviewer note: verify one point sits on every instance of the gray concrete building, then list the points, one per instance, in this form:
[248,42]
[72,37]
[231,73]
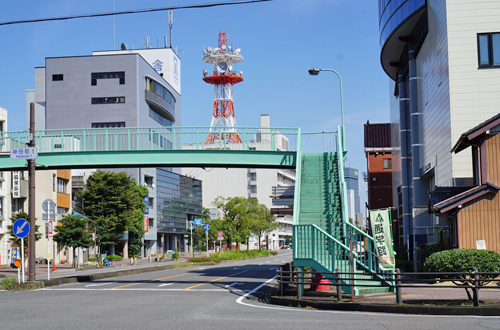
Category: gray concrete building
[124,88]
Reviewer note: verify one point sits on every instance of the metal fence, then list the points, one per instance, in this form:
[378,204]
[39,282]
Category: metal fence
[472,281]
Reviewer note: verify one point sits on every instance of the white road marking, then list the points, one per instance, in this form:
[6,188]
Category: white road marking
[236,267]
[240,301]
[100,284]
[166,284]
[144,289]
[235,283]
[260,264]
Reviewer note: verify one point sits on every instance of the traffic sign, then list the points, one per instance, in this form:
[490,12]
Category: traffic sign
[21,228]
[198,222]
[206,227]
[24,153]
[17,263]
[220,234]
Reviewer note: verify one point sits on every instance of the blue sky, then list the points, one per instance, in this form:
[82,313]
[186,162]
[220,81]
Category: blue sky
[279,40]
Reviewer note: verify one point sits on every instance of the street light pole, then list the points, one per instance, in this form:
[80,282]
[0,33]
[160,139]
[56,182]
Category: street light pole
[315,72]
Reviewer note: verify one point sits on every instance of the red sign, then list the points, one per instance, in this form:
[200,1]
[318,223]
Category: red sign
[146,223]
[220,234]
[50,229]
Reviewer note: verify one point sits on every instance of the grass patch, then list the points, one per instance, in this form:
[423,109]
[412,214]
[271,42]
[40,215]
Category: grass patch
[11,284]
[234,255]
[205,259]
[449,303]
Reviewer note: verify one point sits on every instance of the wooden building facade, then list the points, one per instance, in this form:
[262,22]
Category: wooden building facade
[475,213]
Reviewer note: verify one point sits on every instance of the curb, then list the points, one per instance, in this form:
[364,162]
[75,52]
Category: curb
[393,309]
[118,273]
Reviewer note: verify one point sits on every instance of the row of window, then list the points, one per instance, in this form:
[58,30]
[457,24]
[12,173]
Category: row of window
[108,75]
[106,100]
[159,118]
[57,77]
[107,125]
[162,92]
[488,45]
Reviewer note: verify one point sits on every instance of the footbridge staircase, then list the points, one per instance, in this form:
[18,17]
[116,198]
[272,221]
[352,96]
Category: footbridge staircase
[323,237]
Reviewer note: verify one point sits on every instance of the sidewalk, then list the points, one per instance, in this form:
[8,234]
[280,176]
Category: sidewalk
[63,270]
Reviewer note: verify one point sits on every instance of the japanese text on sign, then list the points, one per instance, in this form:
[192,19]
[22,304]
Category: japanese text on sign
[24,153]
[381,229]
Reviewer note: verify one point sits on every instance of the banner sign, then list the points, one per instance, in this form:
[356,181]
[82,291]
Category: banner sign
[146,223]
[16,184]
[382,235]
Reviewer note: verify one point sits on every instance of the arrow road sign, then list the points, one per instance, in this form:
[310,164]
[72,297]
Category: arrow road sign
[21,228]
[206,227]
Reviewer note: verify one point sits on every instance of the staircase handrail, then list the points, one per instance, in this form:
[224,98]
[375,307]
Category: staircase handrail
[342,184]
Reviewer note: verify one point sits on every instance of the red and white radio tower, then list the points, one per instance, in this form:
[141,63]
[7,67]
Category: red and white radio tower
[223,58]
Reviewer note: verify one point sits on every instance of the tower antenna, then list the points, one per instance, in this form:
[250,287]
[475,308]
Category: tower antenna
[223,125]
[170,23]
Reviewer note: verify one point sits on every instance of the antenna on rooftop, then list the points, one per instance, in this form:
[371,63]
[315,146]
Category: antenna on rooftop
[170,23]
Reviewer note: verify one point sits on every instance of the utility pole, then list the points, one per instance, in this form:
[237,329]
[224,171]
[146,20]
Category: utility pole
[31,203]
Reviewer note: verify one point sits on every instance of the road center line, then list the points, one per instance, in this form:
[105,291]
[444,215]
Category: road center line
[217,279]
[158,279]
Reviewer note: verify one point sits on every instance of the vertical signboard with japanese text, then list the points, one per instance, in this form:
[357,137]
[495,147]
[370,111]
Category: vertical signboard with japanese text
[382,235]
[16,184]
[146,214]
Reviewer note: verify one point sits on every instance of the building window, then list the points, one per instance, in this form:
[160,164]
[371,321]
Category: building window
[488,46]
[253,189]
[1,209]
[151,222]
[107,100]
[62,186]
[159,118]
[54,181]
[253,176]
[108,125]
[60,212]
[161,91]
[107,75]
[387,164]
[57,77]
[151,203]
[148,181]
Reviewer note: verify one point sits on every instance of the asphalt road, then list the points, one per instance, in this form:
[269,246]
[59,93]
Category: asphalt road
[213,297]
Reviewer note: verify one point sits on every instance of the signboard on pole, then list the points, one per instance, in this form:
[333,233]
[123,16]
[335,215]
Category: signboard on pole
[16,184]
[146,201]
[198,222]
[21,228]
[220,236]
[146,223]
[14,254]
[24,153]
[206,227]
[382,236]
[50,229]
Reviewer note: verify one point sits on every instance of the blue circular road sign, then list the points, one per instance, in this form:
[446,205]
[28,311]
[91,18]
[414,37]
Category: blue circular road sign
[206,227]
[21,228]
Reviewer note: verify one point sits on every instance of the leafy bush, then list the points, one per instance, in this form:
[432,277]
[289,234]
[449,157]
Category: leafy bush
[205,259]
[234,255]
[92,259]
[464,260]
[273,253]
[113,257]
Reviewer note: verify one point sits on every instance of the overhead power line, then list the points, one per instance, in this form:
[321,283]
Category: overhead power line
[137,11]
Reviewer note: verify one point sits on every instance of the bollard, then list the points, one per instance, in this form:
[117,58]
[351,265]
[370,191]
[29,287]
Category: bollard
[398,287]
[338,284]
[300,287]
[475,289]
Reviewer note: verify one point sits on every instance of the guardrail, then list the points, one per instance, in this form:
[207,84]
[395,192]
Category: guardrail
[154,138]
[473,281]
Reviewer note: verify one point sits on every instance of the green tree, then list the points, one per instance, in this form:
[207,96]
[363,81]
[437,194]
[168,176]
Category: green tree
[262,222]
[16,240]
[73,233]
[115,202]
[288,240]
[237,215]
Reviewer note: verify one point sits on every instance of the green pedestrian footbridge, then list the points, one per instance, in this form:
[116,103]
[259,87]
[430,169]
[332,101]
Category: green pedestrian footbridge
[323,237]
